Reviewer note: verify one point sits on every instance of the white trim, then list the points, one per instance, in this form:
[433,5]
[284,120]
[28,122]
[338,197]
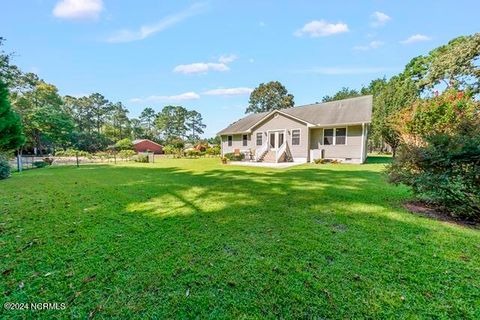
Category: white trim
[338,125]
[256,138]
[282,113]
[363,143]
[276,130]
[221,143]
[335,136]
[245,140]
[300,137]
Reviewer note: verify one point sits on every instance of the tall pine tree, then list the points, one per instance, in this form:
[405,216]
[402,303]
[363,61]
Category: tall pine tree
[11,135]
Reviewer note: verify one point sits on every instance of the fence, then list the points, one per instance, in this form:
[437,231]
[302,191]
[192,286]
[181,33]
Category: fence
[31,162]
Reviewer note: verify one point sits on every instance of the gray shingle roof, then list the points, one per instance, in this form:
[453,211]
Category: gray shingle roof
[347,111]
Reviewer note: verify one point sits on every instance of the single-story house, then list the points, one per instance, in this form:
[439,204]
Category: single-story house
[144,145]
[334,130]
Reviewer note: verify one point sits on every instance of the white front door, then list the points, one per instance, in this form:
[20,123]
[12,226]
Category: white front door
[276,139]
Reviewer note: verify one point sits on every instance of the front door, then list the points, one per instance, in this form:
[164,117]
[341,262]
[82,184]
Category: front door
[276,139]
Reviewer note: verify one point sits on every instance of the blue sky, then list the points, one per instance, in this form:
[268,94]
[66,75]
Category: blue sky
[208,55]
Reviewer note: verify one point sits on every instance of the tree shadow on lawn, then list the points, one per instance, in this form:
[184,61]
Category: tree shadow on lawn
[305,242]
[379,159]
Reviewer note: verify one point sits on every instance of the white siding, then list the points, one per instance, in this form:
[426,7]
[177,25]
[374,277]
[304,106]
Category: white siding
[281,122]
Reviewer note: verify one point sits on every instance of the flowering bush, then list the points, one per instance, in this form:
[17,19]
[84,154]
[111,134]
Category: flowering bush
[440,154]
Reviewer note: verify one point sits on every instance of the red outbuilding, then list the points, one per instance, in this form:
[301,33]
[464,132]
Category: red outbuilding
[144,145]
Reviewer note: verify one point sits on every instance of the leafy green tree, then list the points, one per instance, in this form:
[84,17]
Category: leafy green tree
[138,131]
[454,64]
[11,135]
[398,93]
[45,122]
[344,93]
[440,153]
[124,144]
[194,123]
[269,96]
[214,141]
[90,141]
[171,122]
[9,73]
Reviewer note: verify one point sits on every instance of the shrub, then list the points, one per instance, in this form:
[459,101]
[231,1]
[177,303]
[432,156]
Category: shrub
[126,154]
[71,153]
[320,161]
[213,151]
[168,149]
[141,158]
[4,168]
[39,164]
[124,144]
[233,157]
[192,153]
[440,154]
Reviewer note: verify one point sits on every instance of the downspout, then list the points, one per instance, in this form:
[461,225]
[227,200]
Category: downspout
[221,146]
[362,156]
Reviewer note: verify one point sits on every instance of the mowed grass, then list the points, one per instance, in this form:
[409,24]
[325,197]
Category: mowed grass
[192,238]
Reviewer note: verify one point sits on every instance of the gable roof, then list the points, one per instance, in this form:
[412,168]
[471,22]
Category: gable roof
[346,111]
[137,141]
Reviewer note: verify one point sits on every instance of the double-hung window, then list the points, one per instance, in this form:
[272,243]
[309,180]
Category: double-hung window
[244,140]
[230,140]
[340,136]
[296,137]
[335,136]
[328,137]
[259,139]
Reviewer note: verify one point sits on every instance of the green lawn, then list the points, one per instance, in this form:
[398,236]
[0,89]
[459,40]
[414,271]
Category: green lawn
[193,238]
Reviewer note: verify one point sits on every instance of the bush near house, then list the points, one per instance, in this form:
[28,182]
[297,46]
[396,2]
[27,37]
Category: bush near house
[213,151]
[233,157]
[439,157]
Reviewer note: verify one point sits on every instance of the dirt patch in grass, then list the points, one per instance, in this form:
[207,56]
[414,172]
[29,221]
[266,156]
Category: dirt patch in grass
[430,211]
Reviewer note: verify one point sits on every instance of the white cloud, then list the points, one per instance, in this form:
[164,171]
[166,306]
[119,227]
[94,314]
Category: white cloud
[204,67]
[175,98]
[200,67]
[229,91]
[262,24]
[251,60]
[321,29]
[379,19]
[78,9]
[348,70]
[372,45]
[149,30]
[415,38]
[227,59]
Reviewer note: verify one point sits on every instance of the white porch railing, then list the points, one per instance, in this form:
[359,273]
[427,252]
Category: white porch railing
[280,151]
[260,151]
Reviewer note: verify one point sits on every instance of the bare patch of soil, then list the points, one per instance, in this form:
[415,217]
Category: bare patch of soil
[430,211]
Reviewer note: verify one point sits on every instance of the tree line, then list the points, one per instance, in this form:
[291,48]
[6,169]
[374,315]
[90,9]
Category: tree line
[90,123]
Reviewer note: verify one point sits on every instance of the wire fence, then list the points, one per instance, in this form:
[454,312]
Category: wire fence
[26,162]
